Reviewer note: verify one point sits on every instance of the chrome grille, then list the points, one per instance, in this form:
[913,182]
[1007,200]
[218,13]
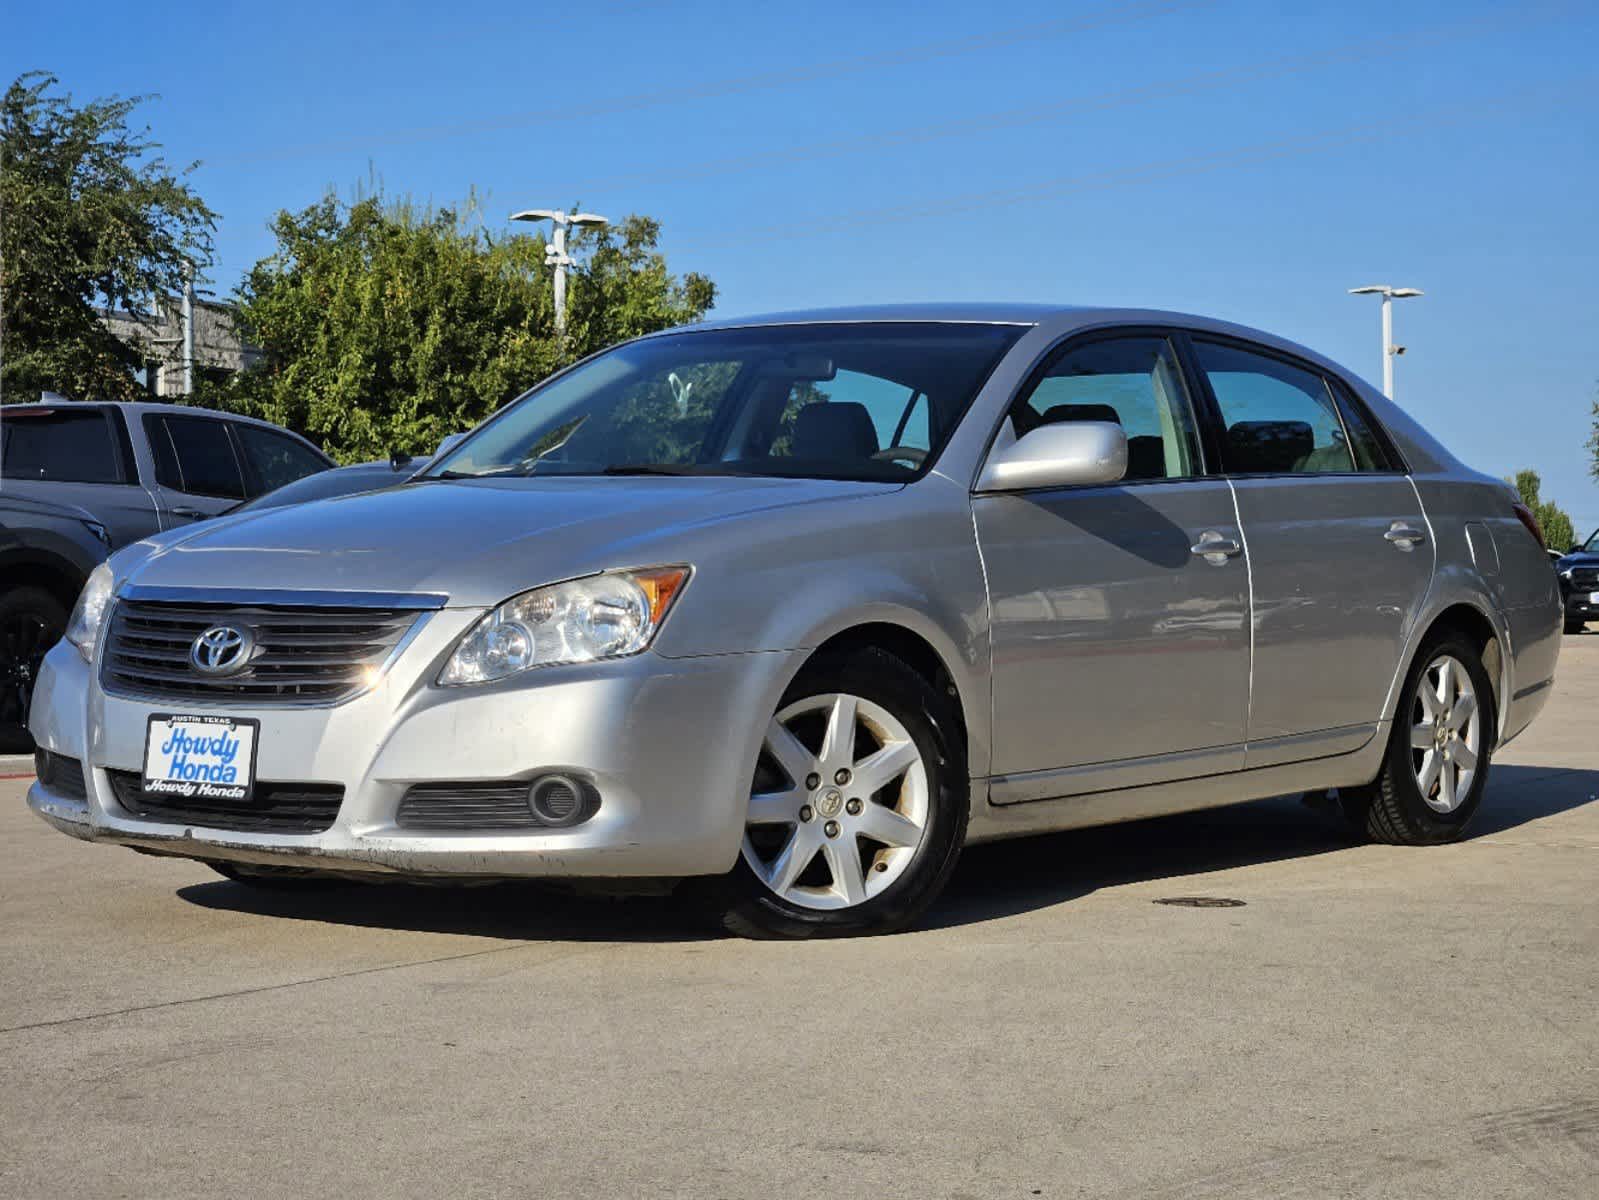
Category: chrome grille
[302,653]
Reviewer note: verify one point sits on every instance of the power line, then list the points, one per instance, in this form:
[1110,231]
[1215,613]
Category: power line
[1120,12]
[1215,160]
[1011,118]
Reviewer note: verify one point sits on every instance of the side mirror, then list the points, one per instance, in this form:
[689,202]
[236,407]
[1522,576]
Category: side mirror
[1059,455]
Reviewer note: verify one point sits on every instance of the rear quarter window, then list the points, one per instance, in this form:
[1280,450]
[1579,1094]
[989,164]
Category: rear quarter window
[59,446]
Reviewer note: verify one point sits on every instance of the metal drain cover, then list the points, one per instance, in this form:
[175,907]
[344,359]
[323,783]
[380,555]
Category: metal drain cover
[1201,902]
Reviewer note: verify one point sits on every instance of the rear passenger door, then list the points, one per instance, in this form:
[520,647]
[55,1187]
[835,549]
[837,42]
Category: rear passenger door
[1338,549]
[197,471]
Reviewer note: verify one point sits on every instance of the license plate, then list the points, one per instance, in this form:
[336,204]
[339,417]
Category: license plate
[207,757]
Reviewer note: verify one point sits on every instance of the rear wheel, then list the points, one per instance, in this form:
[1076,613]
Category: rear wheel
[1436,765]
[31,621]
[858,808]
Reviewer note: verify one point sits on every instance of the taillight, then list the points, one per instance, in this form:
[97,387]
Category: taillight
[1531,522]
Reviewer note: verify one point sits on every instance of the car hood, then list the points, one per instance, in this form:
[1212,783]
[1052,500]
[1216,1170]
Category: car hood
[475,541]
[1583,558]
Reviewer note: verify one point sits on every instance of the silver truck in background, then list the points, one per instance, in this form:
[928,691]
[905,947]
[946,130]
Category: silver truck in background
[79,480]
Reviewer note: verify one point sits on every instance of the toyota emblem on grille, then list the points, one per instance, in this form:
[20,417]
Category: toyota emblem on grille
[221,650]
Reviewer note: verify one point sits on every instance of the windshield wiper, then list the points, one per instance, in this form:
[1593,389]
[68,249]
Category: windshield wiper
[497,473]
[658,469]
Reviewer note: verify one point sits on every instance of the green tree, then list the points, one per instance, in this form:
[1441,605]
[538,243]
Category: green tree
[90,217]
[1593,442]
[387,326]
[1558,531]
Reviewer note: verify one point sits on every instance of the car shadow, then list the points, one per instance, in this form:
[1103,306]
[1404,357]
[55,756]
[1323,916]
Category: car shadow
[516,911]
[992,882]
[1008,878]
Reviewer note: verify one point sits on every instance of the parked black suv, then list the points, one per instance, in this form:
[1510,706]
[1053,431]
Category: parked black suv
[1579,583]
[78,480]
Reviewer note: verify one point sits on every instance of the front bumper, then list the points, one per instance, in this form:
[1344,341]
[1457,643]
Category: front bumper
[669,744]
[1579,606]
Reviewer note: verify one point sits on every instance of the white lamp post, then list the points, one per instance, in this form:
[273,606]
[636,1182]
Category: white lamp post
[555,254]
[1389,350]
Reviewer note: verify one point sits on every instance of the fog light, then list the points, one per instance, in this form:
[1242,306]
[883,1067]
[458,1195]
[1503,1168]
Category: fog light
[560,801]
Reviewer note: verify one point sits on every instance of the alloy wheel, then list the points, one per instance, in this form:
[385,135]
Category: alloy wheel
[1445,734]
[840,802]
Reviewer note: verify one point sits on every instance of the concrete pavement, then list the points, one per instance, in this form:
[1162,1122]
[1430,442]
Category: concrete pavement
[1373,1022]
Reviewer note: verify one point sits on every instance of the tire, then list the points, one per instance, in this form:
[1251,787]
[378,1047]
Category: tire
[1573,625]
[1394,808]
[813,893]
[31,621]
[276,879]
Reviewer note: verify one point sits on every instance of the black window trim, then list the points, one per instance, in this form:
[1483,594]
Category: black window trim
[1330,380]
[1175,335]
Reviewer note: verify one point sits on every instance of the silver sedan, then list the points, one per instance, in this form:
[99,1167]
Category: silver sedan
[795,607]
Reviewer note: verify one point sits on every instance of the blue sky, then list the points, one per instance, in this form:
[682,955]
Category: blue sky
[1221,156]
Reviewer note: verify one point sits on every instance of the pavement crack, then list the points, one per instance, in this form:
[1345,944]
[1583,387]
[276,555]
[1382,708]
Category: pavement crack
[272,987]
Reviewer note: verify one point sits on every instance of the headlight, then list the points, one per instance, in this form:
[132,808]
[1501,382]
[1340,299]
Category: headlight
[602,616]
[83,629]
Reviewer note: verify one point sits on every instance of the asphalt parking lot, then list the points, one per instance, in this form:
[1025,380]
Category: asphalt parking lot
[1372,1022]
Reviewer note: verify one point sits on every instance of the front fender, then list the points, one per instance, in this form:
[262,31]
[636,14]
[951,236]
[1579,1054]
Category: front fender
[907,559]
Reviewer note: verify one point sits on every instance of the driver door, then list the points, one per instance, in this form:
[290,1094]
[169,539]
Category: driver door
[1120,650]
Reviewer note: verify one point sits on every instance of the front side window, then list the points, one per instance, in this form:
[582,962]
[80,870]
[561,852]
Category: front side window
[1281,419]
[1134,382]
[195,455]
[275,459]
[62,447]
[873,401]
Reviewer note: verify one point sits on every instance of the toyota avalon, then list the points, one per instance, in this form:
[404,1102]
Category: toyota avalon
[793,608]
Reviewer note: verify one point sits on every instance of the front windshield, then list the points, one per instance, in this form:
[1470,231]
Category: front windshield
[1591,546]
[846,401]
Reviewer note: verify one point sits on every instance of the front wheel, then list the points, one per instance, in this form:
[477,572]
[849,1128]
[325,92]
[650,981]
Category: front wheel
[1436,764]
[31,621]
[1575,625]
[858,807]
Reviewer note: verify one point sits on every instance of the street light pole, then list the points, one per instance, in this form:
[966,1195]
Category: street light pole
[188,329]
[555,254]
[1389,350]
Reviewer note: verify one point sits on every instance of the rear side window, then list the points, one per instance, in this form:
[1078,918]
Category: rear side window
[195,455]
[1134,382]
[275,459]
[61,447]
[1282,419]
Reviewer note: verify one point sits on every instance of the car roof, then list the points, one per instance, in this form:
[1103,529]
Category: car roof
[1058,319]
[136,408]
[140,407]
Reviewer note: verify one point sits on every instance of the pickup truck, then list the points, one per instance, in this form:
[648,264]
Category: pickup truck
[79,480]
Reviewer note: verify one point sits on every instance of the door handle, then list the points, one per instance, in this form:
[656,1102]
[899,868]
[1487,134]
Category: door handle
[190,514]
[1404,536]
[1214,548]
